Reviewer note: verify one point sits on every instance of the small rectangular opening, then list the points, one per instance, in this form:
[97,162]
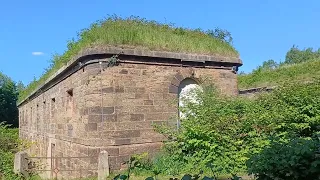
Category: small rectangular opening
[70,92]
[53,106]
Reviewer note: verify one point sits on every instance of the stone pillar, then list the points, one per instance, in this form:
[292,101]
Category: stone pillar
[21,163]
[103,165]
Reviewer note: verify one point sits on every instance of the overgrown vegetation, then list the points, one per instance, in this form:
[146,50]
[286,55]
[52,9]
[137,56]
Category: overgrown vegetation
[299,66]
[9,146]
[295,159]
[135,32]
[274,136]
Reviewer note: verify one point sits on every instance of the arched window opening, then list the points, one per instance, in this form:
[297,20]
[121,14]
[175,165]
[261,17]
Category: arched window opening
[187,93]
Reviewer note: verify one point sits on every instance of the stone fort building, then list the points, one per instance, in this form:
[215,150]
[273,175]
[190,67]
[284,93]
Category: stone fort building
[99,101]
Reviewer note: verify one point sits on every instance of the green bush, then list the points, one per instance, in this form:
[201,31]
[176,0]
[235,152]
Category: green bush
[225,132]
[9,145]
[215,131]
[294,160]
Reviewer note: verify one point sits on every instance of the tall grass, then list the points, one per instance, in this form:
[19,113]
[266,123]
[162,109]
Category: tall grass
[135,32]
[301,72]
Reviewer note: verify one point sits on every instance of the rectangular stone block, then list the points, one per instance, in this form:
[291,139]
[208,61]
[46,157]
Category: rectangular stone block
[101,110]
[108,90]
[93,151]
[137,117]
[119,89]
[91,127]
[123,71]
[123,116]
[148,102]
[141,96]
[138,148]
[122,133]
[113,163]
[173,89]
[95,118]
[122,141]
[112,150]
[110,118]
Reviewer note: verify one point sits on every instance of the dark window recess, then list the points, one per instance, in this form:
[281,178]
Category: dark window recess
[69,100]
[53,106]
[70,92]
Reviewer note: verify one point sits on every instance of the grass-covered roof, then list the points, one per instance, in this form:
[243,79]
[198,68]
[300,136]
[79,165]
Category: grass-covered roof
[135,32]
[297,73]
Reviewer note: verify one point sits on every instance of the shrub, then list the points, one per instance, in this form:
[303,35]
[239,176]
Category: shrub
[226,132]
[293,160]
[215,131]
[9,146]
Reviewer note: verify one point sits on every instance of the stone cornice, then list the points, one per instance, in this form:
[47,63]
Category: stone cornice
[139,52]
[159,54]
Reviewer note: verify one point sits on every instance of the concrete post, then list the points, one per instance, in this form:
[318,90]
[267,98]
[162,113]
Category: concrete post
[103,165]
[21,163]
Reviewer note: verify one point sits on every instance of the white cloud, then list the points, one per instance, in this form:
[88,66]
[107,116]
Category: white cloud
[37,53]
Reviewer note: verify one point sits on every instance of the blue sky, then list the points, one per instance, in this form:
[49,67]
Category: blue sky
[31,31]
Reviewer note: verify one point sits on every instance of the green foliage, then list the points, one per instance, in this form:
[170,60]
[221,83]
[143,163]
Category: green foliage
[293,160]
[299,66]
[292,115]
[135,32]
[9,146]
[135,162]
[8,99]
[140,165]
[292,110]
[225,132]
[216,131]
[295,55]
[302,72]
[221,34]
[269,65]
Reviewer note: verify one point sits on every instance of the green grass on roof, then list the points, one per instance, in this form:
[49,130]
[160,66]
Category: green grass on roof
[301,72]
[136,32]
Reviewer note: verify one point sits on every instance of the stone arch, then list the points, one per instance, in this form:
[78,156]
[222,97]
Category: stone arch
[179,77]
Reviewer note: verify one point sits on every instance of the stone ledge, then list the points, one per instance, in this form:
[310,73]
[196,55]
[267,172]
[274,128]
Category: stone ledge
[99,50]
[256,90]
[158,54]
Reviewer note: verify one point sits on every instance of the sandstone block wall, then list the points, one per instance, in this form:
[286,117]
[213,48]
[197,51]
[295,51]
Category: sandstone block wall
[110,108]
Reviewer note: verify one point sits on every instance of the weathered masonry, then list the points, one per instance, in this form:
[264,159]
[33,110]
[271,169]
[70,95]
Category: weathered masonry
[99,101]
[253,92]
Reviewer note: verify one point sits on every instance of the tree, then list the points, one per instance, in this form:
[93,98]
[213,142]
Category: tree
[8,99]
[270,64]
[221,34]
[20,86]
[295,55]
